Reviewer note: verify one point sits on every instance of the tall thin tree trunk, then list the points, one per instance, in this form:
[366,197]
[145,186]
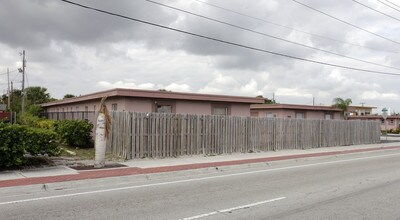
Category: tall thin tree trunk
[100,141]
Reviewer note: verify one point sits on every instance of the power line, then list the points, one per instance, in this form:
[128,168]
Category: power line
[393,3]
[15,77]
[389,5]
[345,22]
[268,35]
[228,42]
[291,28]
[375,10]
[13,71]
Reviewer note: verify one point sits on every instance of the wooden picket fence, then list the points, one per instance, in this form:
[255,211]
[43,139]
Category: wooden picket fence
[140,135]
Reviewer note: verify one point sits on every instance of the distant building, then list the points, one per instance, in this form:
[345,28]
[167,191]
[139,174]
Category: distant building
[295,111]
[360,110]
[392,121]
[134,100]
[4,116]
[365,113]
[3,108]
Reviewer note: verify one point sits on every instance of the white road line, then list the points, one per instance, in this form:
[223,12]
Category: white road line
[233,209]
[194,179]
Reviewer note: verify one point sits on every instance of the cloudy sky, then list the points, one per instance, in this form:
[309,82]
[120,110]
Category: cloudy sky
[74,50]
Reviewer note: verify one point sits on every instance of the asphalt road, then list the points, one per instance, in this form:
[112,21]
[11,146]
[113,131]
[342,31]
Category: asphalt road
[356,186]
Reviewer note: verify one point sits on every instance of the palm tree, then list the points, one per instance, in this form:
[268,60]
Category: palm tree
[342,104]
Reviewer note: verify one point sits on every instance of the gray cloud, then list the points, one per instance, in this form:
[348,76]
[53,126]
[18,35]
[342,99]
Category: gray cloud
[73,50]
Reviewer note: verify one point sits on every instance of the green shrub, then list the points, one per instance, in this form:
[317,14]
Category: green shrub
[42,141]
[45,124]
[34,109]
[27,119]
[17,140]
[75,133]
[35,122]
[12,145]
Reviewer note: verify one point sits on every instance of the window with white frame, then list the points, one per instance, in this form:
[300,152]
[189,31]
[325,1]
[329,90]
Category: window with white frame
[300,115]
[328,116]
[114,107]
[270,115]
[220,111]
[164,109]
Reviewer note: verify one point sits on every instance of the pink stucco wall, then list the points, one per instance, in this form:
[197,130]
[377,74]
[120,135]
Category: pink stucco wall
[239,109]
[148,105]
[392,122]
[288,113]
[137,105]
[183,107]
[92,105]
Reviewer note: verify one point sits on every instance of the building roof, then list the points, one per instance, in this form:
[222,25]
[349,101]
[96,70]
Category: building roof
[373,117]
[360,107]
[294,107]
[118,92]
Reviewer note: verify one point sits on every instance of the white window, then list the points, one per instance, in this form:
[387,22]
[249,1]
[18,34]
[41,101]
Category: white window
[270,115]
[220,111]
[328,116]
[164,109]
[114,107]
[300,115]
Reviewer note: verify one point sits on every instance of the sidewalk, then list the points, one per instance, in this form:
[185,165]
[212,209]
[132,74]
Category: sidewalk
[147,166]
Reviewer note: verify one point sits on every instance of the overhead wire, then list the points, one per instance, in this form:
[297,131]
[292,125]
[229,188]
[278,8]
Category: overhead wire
[291,28]
[389,5]
[346,22]
[375,10]
[227,42]
[268,35]
[5,73]
[393,3]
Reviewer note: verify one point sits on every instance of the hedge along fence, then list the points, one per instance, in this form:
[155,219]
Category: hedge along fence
[139,135]
[17,140]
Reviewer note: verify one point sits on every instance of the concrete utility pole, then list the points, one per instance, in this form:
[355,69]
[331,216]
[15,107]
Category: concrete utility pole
[8,89]
[23,82]
[10,98]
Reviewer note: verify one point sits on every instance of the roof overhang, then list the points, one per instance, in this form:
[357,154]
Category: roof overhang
[294,107]
[156,95]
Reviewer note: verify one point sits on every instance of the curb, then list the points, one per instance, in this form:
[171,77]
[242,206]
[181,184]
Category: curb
[126,171]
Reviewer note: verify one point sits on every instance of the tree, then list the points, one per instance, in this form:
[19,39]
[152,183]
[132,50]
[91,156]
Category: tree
[67,96]
[266,100]
[342,104]
[15,101]
[34,97]
[37,95]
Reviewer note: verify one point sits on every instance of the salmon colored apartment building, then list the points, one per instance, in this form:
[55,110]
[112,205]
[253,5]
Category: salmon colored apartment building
[295,111]
[134,100]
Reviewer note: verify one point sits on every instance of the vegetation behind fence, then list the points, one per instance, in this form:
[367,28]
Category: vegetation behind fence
[139,135]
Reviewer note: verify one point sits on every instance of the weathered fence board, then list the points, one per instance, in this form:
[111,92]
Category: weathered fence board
[139,135]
